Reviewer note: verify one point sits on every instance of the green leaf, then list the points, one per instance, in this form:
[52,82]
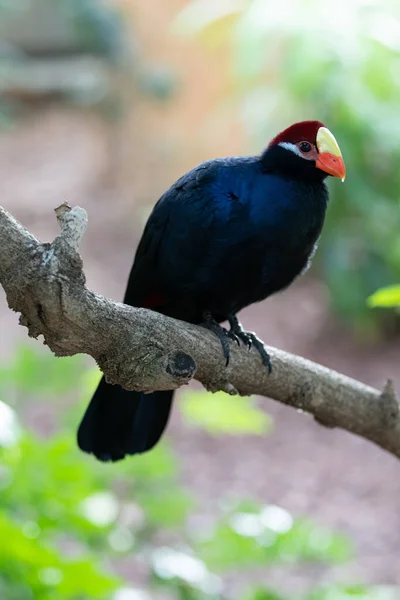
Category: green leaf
[221,413]
[385,297]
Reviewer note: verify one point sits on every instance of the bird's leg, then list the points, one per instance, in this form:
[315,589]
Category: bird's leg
[210,323]
[249,339]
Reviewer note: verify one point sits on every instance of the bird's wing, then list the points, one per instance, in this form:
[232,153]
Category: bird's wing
[200,217]
[143,288]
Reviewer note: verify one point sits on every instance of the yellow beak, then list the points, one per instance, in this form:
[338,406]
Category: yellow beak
[330,158]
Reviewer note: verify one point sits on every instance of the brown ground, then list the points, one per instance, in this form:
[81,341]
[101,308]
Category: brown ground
[333,477]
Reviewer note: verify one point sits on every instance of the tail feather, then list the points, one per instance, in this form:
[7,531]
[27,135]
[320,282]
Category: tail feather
[119,422]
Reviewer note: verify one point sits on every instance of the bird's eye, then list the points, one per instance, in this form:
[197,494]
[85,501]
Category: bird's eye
[305,146]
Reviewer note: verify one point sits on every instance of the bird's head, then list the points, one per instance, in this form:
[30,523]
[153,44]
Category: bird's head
[305,150]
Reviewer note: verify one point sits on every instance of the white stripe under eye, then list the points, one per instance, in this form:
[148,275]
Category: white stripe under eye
[292,147]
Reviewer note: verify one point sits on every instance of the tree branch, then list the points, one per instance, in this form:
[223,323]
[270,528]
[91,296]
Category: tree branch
[143,350]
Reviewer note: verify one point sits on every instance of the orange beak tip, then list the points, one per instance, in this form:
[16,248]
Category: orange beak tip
[331,164]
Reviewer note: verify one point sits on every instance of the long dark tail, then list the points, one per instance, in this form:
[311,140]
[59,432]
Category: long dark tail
[118,422]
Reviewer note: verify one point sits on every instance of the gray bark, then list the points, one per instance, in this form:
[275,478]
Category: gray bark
[143,350]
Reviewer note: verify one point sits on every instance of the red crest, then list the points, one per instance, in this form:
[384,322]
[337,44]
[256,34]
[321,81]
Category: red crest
[303,131]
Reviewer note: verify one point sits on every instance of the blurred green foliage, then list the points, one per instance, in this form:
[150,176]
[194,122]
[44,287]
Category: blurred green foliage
[221,413]
[67,521]
[250,535]
[299,60]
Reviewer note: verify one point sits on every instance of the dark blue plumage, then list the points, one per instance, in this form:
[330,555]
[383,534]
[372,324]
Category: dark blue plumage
[228,233]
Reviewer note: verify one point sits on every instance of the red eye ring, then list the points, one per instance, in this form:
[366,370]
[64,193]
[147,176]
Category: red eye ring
[305,146]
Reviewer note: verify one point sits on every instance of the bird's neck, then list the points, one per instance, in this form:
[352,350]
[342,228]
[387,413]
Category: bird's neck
[287,164]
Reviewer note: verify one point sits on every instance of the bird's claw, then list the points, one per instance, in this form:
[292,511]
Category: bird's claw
[232,336]
[222,334]
[246,339]
[237,334]
[259,346]
[249,340]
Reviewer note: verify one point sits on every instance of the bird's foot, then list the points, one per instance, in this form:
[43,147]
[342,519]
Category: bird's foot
[249,339]
[222,334]
[232,336]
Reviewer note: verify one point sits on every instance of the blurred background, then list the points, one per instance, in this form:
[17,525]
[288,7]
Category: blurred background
[105,104]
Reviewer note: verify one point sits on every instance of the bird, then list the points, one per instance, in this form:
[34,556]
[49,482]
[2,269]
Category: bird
[229,233]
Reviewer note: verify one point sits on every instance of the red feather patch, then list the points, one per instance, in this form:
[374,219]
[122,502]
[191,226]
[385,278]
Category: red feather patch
[153,300]
[303,131]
